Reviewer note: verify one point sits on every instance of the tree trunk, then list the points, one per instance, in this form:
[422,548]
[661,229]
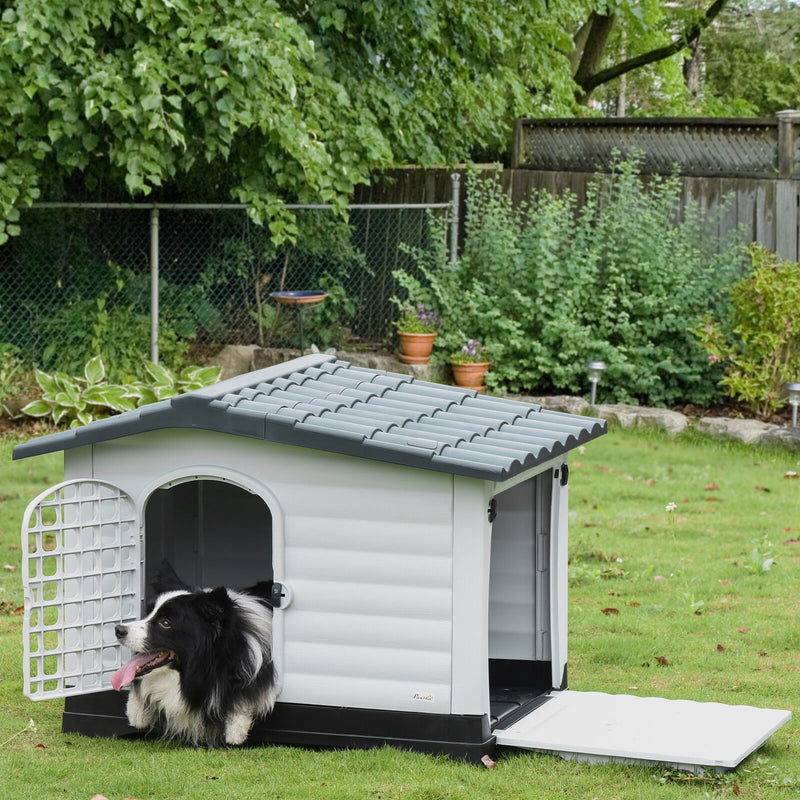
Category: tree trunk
[691,67]
[600,26]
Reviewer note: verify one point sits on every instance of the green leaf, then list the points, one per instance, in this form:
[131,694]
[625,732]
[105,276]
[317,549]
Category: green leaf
[160,373]
[109,395]
[164,391]
[37,408]
[146,396]
[151,101]
[69,398]
[94,370]
[83,418]
[198,377]
[212,56]
[48,382]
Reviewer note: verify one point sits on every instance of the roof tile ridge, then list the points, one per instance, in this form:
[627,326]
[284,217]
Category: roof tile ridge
[216,391]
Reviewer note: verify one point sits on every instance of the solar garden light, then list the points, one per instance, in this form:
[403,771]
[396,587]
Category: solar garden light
[792,391]
[595,370]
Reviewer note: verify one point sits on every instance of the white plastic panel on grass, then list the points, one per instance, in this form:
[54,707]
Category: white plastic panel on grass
[81,575]
[681,733]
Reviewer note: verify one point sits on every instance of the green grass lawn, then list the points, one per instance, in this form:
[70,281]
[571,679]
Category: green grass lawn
[671,603]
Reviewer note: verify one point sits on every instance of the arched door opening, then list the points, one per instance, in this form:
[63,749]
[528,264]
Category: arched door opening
[213,532]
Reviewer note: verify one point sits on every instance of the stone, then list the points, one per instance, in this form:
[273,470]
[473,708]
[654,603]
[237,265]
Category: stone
[264,357]
[745,430]
[561,402]
[618,414]
[435,373]
[235,359]
[784,436]
[627,416]
[673,422]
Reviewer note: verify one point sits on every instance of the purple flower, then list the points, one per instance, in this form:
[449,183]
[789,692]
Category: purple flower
[473,350]
[427,316]
[418,319]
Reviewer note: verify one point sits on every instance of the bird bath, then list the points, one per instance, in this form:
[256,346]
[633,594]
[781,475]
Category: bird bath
[298,301]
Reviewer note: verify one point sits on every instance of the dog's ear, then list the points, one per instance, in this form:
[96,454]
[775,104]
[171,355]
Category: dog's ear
[213,605]
[262,590]
[167,580]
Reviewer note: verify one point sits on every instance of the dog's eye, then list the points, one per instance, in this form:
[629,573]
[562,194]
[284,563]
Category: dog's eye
[164,623]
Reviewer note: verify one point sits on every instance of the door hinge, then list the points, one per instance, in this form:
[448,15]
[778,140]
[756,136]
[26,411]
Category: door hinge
[564,474]
[492,510]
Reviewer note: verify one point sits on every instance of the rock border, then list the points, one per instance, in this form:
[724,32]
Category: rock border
[748,431]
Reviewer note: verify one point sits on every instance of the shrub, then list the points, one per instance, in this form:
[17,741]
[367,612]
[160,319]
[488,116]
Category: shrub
[759,347]
[329,322]
[114,323]
[11,369]
[550,286]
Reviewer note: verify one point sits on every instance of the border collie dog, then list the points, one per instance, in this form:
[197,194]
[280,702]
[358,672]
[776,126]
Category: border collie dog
[202,665]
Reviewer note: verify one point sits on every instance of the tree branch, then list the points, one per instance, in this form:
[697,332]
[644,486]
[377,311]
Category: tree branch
[590,82]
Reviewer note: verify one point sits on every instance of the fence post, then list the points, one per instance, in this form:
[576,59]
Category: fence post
[455,185]
[787,188]
[154,284]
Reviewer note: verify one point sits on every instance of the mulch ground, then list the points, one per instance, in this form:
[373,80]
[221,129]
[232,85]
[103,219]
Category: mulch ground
[732,411]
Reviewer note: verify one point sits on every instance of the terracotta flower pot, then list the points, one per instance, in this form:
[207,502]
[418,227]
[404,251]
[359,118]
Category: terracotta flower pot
[415,348]
[470,375]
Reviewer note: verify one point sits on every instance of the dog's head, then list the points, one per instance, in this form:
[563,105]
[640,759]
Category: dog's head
[173,634]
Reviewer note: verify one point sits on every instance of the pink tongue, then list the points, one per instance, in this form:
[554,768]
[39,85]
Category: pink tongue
[127,672]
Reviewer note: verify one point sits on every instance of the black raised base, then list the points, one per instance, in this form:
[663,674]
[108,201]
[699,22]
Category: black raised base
[463,737]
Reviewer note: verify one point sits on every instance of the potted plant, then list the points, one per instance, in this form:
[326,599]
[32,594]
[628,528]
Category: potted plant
[470,365]
[417,328]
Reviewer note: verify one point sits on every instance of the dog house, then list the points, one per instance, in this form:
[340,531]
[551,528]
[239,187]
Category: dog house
[416,537]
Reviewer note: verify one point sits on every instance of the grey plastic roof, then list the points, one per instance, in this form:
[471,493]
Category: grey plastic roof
[320,402]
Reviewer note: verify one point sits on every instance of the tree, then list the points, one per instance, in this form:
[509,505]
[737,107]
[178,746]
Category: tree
[626,37]
[753,59]
[267,102]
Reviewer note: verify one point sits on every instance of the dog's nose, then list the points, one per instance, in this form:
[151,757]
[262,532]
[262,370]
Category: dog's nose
[120,631]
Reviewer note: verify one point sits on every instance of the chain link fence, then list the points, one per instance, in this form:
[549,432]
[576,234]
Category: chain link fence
[81,279]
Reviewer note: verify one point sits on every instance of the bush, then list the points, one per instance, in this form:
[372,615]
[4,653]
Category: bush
[11,374]
[549,286]
[112,324]
[759,347]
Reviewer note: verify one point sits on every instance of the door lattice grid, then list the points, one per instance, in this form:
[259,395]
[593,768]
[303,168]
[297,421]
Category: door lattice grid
[81,576]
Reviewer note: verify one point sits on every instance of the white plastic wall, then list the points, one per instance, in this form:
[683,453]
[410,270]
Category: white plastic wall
[365,548]
[388,567]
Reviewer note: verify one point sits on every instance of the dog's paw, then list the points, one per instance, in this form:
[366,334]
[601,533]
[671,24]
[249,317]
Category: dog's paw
[139,715]
[237,726]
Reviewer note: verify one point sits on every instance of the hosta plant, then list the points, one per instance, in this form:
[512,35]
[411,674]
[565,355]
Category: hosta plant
[79,400]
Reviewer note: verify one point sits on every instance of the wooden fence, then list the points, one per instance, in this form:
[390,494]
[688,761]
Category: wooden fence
[754,164]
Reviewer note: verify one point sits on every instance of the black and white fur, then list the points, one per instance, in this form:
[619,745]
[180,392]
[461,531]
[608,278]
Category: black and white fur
[211,673]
